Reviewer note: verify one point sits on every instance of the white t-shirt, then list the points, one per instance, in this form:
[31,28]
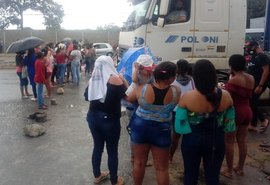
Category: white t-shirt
[184,88]
[76,54]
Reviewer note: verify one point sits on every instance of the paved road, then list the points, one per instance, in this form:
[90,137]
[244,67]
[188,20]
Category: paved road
[62,155]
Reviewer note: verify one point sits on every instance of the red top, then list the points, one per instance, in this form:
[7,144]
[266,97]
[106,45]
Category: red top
[60,58]
[40,71]
[241,97]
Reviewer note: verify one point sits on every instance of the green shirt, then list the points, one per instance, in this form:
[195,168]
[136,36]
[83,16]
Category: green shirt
[184,118]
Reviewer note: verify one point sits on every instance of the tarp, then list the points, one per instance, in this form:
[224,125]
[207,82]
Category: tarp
[130,56]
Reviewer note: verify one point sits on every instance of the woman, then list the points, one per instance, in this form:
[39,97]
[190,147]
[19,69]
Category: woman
[29,61]
[105,91]
[48,62]
[75,57]
[185,83]
[142,74]
[90,57]
[23,79]
[240,87]
[60,59]
[202,116]
[40,78]
[150,125]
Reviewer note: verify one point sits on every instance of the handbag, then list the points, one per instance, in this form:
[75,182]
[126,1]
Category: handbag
[24,72]
[181,124]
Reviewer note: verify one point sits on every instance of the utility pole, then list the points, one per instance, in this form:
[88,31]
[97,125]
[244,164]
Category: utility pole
[267,28]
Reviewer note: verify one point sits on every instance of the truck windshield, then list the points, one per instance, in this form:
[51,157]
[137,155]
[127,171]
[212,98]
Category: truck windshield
[137,17]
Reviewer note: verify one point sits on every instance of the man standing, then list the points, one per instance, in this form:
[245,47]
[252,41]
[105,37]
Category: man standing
[258,67]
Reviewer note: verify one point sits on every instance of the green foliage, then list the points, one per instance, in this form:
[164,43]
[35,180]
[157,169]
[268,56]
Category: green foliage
[11,12]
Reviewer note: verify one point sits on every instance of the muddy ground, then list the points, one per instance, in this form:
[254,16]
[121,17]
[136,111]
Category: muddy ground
[62,155]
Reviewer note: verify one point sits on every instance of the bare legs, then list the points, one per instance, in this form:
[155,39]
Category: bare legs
[229,141]
[48,85]
[175,141]
[161,163]
[241,138]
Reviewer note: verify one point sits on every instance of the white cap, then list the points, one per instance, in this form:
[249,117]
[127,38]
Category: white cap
[146,61]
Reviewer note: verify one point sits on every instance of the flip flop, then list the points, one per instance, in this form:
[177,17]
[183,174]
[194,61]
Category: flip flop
[103,176]
[238,171]
[263,128]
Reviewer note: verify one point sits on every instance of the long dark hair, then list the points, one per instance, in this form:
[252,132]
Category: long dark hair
[164,71]
[205,79]
[182,67]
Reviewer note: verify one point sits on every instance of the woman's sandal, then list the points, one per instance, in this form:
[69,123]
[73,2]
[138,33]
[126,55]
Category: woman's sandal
[238,171]
[227,174]
[103,176]
[263,128]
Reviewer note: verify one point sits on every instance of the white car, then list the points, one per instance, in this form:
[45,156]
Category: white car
[103,49]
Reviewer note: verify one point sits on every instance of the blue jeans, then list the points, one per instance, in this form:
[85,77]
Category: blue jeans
[257,115]
[61,68]
[105,128]
[206,142]
[23,81]
[31,77]
[75,69]
[87,65]
[40,94]
[150,132]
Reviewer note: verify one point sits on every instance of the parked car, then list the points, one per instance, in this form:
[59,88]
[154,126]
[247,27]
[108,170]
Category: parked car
[103,49]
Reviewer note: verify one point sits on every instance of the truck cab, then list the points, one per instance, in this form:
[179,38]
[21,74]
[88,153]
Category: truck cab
[213,29]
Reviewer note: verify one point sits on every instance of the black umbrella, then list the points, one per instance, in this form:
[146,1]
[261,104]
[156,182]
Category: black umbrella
[24,44]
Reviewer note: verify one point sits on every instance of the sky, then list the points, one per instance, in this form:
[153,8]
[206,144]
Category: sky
[85,14]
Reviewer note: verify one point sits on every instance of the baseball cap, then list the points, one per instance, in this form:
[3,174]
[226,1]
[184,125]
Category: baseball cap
[146,61]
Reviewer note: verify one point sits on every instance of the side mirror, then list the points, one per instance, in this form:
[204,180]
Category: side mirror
[160,22]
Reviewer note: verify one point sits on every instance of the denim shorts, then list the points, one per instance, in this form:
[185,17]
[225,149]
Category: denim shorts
[150,132]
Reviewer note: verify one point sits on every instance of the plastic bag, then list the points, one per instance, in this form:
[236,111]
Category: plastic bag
[24,72]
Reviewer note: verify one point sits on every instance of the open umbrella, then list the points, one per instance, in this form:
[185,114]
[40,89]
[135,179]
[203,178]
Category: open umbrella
[67,39]
[24,44]
[130,56]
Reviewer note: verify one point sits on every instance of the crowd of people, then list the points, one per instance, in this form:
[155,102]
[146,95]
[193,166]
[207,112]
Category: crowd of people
[167,101]
[51,66]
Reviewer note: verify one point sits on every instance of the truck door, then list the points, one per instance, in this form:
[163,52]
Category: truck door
[175,39]
[211,29]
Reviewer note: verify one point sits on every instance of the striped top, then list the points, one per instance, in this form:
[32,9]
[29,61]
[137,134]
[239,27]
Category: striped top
[159,113]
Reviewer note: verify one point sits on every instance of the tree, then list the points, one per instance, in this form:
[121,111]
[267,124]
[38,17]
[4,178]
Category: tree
[11,12]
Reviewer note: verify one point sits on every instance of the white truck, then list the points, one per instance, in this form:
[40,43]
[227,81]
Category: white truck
[214,30]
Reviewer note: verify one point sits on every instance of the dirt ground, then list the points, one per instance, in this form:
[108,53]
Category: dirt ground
[62,156]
